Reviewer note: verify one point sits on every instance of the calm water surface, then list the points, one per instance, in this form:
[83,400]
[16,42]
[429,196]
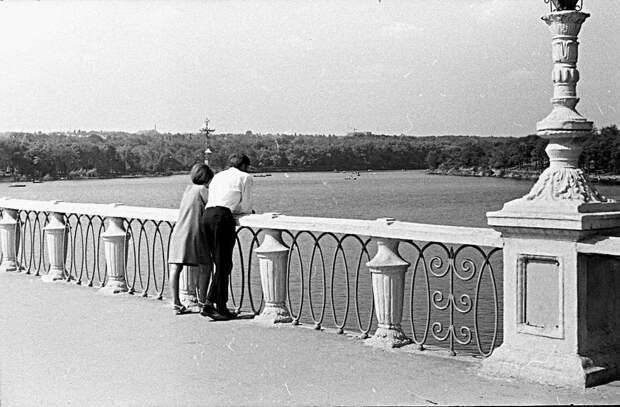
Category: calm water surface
[405,195]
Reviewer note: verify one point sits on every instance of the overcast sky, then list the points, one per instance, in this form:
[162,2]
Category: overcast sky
[309,66]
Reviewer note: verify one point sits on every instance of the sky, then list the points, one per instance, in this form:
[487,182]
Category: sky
[433,67]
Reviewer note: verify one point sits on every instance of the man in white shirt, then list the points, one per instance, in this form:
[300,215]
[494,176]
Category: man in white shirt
[230,193]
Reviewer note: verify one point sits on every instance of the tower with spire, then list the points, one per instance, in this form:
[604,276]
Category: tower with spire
[206,131]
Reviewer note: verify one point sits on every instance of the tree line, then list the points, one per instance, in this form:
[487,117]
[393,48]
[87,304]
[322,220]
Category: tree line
[28,156]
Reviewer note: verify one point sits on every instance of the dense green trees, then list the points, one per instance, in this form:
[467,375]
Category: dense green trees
[109,154]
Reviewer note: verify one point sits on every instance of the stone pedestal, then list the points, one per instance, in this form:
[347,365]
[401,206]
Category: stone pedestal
[114,244]
[388,287]
[8,240]
[550,297]
[188,284]
[552,294]
[272,258]
[56,241]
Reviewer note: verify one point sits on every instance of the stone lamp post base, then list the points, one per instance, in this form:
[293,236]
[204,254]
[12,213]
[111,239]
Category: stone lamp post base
[558,369]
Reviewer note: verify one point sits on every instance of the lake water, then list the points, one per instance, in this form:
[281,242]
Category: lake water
[404,195]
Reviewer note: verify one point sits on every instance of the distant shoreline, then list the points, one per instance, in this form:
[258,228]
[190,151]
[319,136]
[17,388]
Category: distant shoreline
[10,180]
[267,173]
[609,179]
[524,175]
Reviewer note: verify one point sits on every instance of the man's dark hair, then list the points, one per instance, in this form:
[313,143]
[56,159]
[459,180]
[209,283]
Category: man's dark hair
[201,174]
[237,160]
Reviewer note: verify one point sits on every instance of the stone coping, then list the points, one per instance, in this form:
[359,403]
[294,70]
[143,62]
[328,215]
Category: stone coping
[384,228]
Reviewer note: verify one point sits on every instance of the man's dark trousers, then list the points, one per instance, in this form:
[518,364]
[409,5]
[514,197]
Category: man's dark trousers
[220,229]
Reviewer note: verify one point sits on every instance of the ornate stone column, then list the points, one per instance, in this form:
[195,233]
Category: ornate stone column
[550,293]
[115,249]
[272,259]
[8,240]
[56,241]
[388,287]
[188,283]
[563,186]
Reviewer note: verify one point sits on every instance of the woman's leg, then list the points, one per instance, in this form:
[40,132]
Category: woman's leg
[204,277]
[175,272]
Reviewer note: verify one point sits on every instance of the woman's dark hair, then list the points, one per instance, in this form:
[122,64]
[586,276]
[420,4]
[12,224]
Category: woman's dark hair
[201,174]
[237,160]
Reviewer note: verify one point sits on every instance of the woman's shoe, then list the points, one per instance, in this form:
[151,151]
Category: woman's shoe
[180,309]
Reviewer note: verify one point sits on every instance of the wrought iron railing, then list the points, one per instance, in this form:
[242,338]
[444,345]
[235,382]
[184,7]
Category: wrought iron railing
[453,289]
[147,242]
[452,293]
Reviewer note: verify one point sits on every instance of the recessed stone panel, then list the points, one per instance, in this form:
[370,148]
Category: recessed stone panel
[540,296]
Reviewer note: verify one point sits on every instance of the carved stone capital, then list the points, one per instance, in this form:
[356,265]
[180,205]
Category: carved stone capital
[566,23]
[565,184]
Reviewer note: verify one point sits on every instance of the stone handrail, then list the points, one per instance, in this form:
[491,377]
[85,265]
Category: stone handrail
[115,210]
[604,245]
[381,228]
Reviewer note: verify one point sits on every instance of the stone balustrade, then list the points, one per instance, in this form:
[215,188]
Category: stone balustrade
[121,248]
[393,283]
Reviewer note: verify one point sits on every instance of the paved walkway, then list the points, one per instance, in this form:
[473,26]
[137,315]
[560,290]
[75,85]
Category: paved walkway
[62,344]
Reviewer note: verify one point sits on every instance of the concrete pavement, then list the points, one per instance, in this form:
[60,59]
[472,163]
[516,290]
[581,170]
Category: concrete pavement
[64,345]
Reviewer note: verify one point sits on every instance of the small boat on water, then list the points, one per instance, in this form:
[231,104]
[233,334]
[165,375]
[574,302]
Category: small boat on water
[16,185]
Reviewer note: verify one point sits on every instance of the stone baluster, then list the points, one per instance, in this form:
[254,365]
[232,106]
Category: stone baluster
[388,287]
[273,257]
[187,286]
[115,249]
[56,241]
[9,240]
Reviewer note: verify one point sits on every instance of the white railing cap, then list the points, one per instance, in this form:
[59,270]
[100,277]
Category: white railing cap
[384,227]
[115,210]
[606,245]
[388,228]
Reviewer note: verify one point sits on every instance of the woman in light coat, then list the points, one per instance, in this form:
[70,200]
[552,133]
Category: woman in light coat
[188,241]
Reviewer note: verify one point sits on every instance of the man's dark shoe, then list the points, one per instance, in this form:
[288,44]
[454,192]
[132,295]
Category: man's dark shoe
[211,312]
[226,312]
